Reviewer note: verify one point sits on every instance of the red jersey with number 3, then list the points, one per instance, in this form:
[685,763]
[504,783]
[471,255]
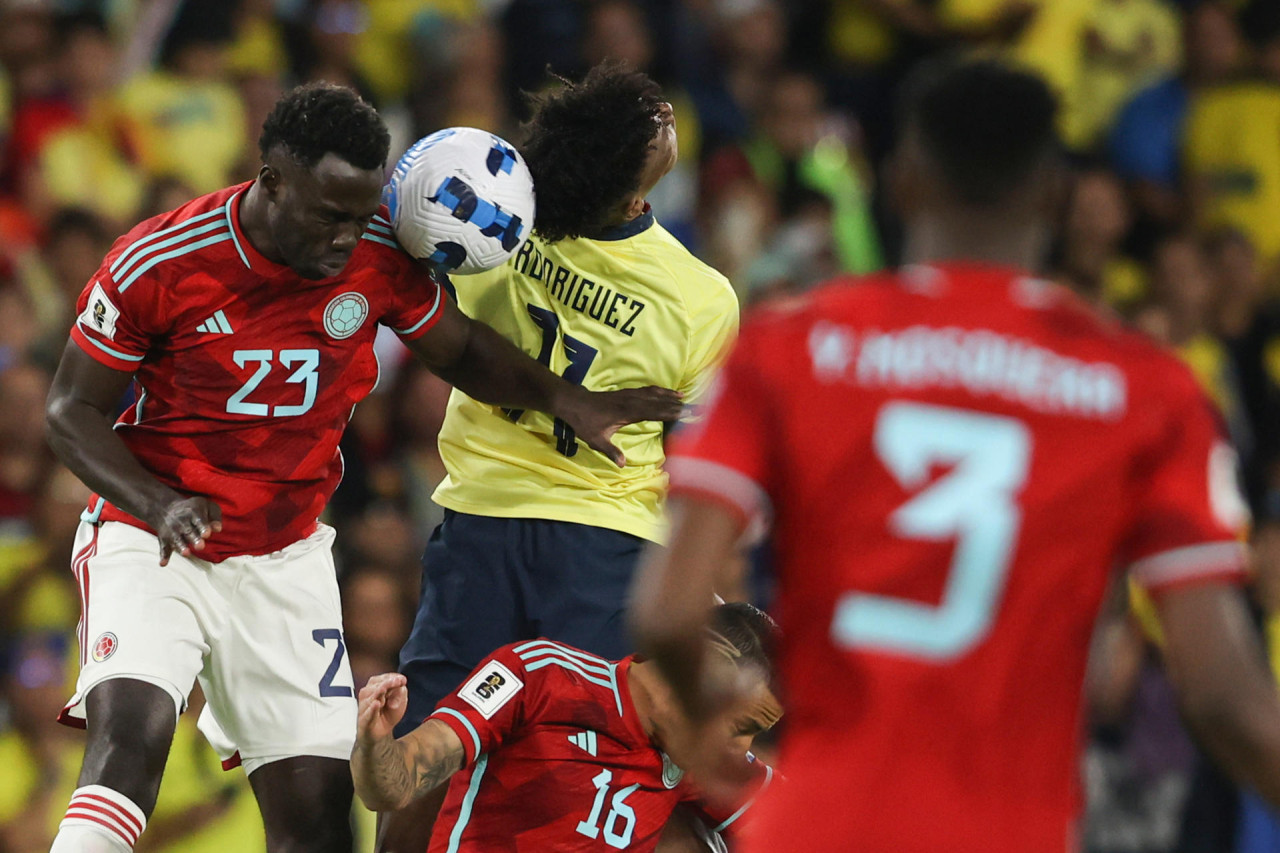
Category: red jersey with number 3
[557,759]
[956,460]
[246,373]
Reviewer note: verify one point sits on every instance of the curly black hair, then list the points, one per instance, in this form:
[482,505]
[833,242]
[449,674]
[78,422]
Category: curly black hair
[586,147]
[988,126]
[313,120]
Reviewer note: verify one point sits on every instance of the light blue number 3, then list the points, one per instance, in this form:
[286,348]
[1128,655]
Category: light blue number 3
[975,504]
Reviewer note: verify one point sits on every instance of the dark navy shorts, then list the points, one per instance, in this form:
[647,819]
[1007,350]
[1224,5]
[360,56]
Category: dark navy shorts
[487,582]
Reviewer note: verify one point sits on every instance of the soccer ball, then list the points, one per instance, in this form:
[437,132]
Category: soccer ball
[461,199]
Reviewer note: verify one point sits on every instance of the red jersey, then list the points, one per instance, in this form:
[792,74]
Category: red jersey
[956,459]
[246,373]
[557,759]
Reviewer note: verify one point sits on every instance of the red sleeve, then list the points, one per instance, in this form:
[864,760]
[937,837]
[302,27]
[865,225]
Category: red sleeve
[489,706]
[1189,518]
[114,326]
[725,818]
[417,300]
[724,457]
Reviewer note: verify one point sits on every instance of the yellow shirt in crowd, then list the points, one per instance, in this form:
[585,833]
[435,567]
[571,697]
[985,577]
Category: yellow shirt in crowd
[1232,155]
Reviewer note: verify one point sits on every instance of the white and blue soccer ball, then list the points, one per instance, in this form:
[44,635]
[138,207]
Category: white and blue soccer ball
[461,199]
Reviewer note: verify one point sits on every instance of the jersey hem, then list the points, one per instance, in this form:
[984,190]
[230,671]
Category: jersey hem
[652,532]
[108,511]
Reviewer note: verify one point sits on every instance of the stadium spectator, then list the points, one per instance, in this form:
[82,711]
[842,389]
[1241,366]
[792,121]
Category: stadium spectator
[1146,141]
[1232,153]
[1090,253]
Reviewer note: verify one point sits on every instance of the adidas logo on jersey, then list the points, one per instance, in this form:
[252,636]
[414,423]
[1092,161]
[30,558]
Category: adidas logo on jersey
[585,741]
[216,325]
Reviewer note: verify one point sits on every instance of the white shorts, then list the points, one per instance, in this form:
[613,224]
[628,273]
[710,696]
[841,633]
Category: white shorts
[263,634]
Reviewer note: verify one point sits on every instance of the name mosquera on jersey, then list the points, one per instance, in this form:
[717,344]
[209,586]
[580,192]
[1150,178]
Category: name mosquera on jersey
[630,309]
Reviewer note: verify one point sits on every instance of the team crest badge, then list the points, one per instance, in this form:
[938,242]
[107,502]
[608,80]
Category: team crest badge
[105,646]
[671,775]
[345,314]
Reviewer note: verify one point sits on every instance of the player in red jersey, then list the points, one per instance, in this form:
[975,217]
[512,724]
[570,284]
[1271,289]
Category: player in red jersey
[247,318]
[563,750]
[956,459]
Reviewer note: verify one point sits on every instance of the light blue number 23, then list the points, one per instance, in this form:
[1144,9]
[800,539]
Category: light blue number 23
[975,504]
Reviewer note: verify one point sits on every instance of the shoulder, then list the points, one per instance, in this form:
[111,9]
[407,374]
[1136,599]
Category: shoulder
[696,280]
[563,670]
[167,242]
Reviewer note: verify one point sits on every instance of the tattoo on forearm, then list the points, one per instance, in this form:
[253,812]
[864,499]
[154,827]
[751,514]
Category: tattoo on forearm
[399,771]
[433,762]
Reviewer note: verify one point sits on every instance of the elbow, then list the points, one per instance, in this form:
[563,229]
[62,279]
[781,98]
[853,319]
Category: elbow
[57,421]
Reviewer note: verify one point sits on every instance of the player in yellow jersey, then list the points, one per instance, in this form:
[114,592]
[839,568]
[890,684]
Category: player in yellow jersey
[542,533]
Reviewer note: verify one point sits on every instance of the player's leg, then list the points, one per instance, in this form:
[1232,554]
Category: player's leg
[580,581]
[141,648]
[280,695]
[305,803]
[472,602]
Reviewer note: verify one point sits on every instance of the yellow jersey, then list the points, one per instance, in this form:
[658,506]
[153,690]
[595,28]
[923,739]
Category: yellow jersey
[1232,136]
[629,309]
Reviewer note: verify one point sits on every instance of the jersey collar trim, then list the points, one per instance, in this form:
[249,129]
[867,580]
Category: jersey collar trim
[629,716]
[641,223]
[253,259]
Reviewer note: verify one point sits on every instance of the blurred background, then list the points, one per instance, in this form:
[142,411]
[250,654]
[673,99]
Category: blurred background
[115,110]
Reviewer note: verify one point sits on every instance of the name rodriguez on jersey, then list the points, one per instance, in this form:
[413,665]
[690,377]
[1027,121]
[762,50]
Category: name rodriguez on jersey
[596,300]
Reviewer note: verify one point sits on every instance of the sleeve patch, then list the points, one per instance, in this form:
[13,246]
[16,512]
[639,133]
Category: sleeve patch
[99,314]
[490,688]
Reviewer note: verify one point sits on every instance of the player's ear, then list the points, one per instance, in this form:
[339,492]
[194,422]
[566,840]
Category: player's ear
[269,179]
[633,207]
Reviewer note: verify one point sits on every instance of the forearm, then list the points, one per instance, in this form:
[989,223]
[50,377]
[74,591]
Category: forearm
[382,775]
[493,370]
[1226,692]
[1242,734]
[82,438]
[389,773]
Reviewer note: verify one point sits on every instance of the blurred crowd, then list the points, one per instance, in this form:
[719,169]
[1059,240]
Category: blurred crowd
[115,110]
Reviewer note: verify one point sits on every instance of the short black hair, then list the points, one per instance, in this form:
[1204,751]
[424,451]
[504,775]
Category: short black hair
[988,127]
[752,633]
[586,146]
[318,118]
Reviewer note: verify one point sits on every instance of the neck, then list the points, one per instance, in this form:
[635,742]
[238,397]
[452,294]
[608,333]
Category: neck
[964,235]
[644,695]
[253,221]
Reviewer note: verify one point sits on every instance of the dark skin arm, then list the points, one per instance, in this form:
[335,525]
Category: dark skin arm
[79,414]
[487,367]
[1228,696]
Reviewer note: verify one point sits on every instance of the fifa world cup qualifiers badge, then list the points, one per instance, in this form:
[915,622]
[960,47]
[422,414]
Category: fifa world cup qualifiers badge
[105,646]
[490,689]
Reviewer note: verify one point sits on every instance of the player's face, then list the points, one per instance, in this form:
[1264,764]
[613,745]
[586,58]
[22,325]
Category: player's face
[662,152]
[317,215]
[754,711]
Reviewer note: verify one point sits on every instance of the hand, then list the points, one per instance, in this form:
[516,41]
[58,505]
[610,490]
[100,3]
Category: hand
[382,703]
[596,415]
[185,524]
